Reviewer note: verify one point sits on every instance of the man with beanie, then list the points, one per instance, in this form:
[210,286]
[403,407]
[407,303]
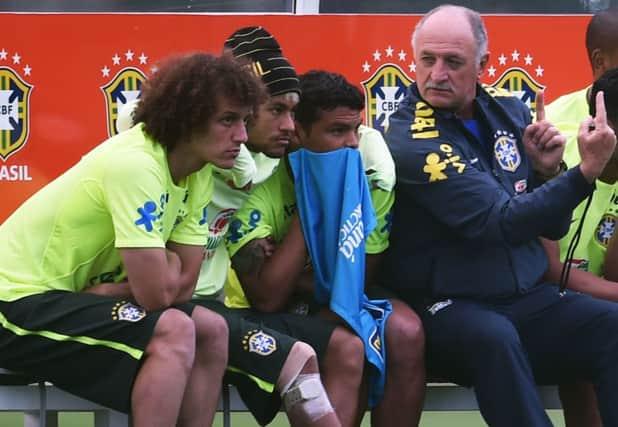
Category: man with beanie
[270,131]
[304,238]
[268,367]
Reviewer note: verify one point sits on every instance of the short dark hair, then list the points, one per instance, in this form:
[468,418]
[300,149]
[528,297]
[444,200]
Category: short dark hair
[325,91]
[602,32]
[182,96]
[608,83]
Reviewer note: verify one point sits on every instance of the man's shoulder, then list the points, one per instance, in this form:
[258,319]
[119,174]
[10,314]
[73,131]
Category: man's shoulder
[507,99]
[571,107]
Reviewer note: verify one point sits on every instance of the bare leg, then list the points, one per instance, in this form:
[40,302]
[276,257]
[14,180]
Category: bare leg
[204,386]
[302,360]
[580,405]
[160,383]
[404,391]
[342,373]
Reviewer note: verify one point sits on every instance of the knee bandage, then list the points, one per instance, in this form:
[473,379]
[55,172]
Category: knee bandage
[307,392]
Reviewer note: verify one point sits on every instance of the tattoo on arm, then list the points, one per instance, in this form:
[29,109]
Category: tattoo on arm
[249,258]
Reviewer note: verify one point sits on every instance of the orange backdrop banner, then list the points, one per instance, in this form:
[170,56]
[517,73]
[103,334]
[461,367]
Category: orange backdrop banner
[63,77]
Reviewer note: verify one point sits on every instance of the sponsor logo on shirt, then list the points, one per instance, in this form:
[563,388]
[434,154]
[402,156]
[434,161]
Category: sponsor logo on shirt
[352,234]
[521,185]
[217,229]
[436,163]
[150,214]
[433,309]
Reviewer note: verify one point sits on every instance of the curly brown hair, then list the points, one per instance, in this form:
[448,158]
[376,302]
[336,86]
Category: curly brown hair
[181,97]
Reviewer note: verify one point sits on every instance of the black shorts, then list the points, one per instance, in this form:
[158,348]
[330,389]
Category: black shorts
[89,345]
[258,348]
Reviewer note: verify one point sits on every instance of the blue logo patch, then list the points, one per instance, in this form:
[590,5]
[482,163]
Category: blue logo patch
[124,87]
[257,341]
[506,151]
[129,312]
[14,112]
[147,215]
[605,229]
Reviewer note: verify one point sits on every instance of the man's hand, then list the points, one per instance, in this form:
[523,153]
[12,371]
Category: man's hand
[543,142]
[596,142]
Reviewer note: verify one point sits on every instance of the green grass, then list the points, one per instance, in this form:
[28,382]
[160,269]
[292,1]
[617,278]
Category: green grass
[239,419]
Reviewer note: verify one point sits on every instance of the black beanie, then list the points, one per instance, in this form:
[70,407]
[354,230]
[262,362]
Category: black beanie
[260,47]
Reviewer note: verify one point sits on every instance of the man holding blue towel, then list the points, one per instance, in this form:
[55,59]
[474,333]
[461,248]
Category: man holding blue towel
[293,216]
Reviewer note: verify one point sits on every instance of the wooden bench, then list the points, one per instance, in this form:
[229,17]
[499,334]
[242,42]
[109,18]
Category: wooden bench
[41,402]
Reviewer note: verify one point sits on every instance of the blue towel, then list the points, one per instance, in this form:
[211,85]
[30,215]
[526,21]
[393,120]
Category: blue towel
[337,215]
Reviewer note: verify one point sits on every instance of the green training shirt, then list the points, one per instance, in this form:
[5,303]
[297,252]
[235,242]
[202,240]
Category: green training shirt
[120,195]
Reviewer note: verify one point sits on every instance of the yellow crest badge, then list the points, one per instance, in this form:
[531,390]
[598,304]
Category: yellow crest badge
[506,151]
[128,312]
[386,86]
[14,111]
[605,229]
[124,86]
[258,341]
[516,72]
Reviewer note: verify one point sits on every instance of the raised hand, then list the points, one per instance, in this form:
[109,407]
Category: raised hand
[596,141]
[543,142]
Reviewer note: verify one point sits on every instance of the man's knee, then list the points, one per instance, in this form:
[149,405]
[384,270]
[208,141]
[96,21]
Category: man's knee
[301,360]
[211,330]
[306,394]
[173,337]
[404,331]
[209,324]
[345,351]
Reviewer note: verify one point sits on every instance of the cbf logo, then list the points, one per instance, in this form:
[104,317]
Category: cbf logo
[14,104]
[128,312]
[514,76]
[124,86]
[386,86]
[506,152]
[258,341]
[605,229]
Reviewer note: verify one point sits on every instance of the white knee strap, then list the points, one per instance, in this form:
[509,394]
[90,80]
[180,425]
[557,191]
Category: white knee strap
[308,392]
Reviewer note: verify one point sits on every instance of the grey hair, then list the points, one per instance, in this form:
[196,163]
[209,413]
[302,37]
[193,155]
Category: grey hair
[476,24]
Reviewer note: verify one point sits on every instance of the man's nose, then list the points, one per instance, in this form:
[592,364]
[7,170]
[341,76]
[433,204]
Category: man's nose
[287,121]
[240,133]
[353,140]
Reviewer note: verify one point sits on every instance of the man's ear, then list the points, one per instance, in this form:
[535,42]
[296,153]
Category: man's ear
[298,137]
[483,63]
[597,59]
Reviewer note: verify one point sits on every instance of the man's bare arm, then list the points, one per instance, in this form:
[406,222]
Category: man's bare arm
[269,274]
[579,280]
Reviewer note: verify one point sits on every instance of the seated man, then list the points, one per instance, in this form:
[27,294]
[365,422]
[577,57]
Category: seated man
[98,267]
[266,365]
[593,272]
[269,252]
[567,112]
[478,183]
